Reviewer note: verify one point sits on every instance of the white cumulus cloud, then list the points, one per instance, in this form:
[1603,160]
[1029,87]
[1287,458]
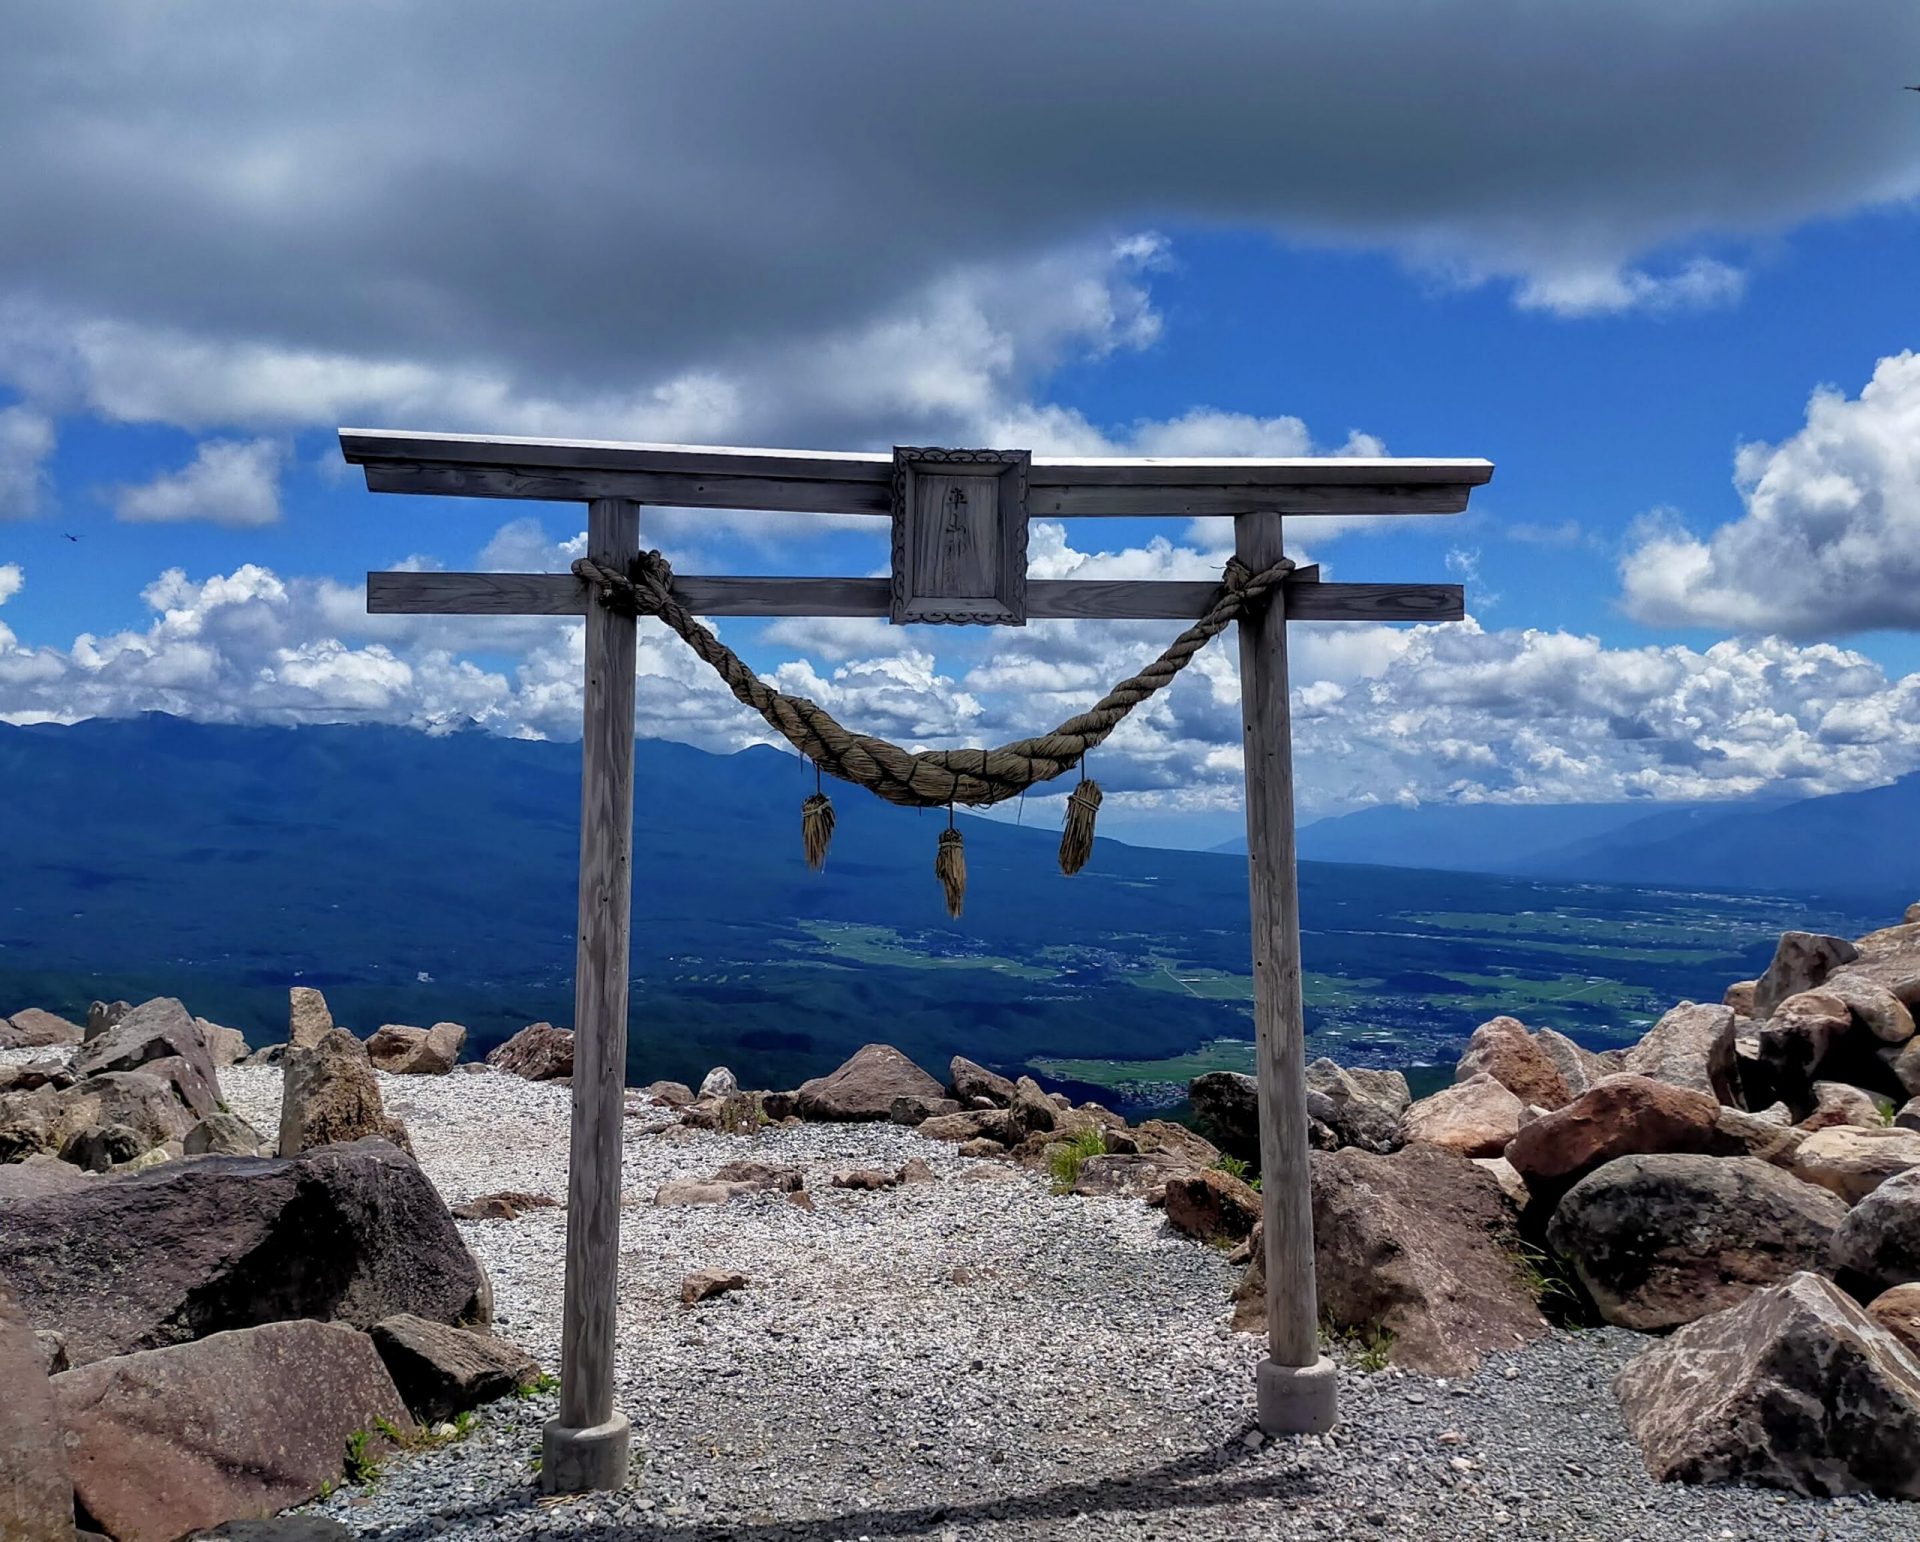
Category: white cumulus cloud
[228,482]
[26,440]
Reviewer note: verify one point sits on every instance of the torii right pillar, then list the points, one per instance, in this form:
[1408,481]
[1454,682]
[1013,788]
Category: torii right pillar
[1296,1386]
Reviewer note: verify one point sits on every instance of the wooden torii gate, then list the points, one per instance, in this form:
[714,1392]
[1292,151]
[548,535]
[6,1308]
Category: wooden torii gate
[959,526]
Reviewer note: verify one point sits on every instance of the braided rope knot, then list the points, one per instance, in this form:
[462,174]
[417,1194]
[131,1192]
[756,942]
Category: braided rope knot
[924,778]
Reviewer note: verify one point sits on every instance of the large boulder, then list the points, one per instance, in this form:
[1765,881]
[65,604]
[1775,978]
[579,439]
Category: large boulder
[162,1038]
[1766,1135]
[223,1135]
[37,1029]
[1691,1046]
[50,1120]
[1892,958]
[168,1441]
[1420,1245]
[442,1370]
[1795,1387]
[1874,1007]
[226,1046]
[1360,1107]
[1852,1162]
[308,1018]
[1837,1103]
[864,1087]
[1226,1105]
[539,1052]
[1211,1205]
[1800,1038]
[1662,1240]
[1473,1118]
[1801,961]
[354,1233]
[968,1081]
[331,1095]
[405,1051]
[1619,1116]
[1579,1067]
[1503,1049]
[1878,1244]
[36,1492]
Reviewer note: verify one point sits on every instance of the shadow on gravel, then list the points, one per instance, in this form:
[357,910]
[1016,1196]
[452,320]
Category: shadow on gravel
[1175,1485]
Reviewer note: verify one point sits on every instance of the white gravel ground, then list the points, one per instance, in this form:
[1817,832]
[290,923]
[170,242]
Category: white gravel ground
[980,1358]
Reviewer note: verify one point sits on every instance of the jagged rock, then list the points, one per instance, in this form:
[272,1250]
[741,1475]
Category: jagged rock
[1578,1066]
[269,1054]
[864,1087]
[1875,1008]
[1226,1105]
[1476,1117]
[967,1081]
[1837,1103]
[223,1135]
[1175,1142]
[1898,1311]
[34,1074]
[1907,1116]
[47,1119]
[671,1094]
[1503,1049]
[1740,996]
[37,1029]
[914,1170]
[39,1175]
[1508,1177]
[404,1051]
[705,1284]
[736,1114]
[240,1424]
[103,1015]
[914,1111]
[1619,1116]
[973,1146]
[1796,1387]
[36,1493]
[505,1205]
[1768,1135]
[1031,1107]
[730,1182]
[1878,1244]
[1801,961]
[995,1124]
[225,1046]
[354,1233]
[151,1038]
[1799,1038]
[1891,957]
[331,1095]
[1662,1240]
[308,1019]
[1853,1162]
[442,1371]
[1421,1245]
[53,1353]
[778,1107]
[1358,1108]
[102,1147]
[1691,1046]
[539,1052]
[719,1083]
[1212,1206]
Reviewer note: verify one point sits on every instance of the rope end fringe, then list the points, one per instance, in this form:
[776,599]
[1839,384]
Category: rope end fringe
[1076,840]
[950,867]
[816,828]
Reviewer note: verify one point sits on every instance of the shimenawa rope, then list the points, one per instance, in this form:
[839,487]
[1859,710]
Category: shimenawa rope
[929,778]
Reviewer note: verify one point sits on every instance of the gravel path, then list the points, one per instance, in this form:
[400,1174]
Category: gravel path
[980,1358]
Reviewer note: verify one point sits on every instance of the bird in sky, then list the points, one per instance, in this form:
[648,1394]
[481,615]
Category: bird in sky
[70,537]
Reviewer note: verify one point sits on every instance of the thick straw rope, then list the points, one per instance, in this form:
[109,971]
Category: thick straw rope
[929,778]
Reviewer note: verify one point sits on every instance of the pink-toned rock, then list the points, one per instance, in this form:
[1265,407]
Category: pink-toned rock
[1874,1007]
[1619,1116]
[1801,961]
[1852,1162]
[1691,1046]
[37,1029]
[1837,1103]
[1476,1117]
[1898,1311]
[1799,1037]
[864,1087]
[539,1052]
[168,1441]
[36,1493]
[1739,996]
[404,1051]
[1503,1049]
[705,1284]
[1212,1206]
[330,1096]
[308,1018]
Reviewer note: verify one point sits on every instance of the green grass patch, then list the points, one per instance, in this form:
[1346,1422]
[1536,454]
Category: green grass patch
[1067,1158]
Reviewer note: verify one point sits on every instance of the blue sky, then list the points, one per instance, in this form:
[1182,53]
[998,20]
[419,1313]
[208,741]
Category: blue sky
[1593,259]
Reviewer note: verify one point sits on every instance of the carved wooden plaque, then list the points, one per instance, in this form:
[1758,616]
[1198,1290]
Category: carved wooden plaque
[960,536]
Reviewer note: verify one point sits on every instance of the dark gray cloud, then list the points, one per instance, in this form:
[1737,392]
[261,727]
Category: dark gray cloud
[586,195]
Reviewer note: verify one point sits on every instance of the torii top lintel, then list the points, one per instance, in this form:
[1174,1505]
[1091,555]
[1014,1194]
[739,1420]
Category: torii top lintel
[826,482]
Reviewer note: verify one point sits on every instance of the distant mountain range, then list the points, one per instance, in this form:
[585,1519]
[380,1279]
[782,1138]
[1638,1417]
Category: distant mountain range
[1848,845]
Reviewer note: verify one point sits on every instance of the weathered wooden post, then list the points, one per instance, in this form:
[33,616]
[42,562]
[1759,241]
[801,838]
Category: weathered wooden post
[586,1446]
[1295,1388]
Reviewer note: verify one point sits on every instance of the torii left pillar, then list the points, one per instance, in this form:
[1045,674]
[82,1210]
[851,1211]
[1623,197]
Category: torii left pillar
[586,1446]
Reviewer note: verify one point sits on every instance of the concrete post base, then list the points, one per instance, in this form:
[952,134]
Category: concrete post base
[572,1461]
[1295,1399]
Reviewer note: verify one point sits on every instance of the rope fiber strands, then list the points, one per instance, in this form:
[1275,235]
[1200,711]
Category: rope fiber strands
[976,778]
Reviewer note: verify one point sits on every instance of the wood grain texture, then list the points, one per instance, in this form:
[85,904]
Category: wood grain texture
[816,482]
[600,990]
[561,594]
[1278,1017]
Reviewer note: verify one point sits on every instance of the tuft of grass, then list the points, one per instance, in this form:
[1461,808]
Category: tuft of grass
[1370,1347]
[1070,1154]
[360,1467]
[540,1386]
[392,1431]
[1241,1168]
[1545,1278]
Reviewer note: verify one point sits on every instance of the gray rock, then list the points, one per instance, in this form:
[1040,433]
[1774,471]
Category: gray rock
[864,1087]
[102,1015]
[1226,1106]
[331,1095]
[350,1233]
[1878,1244]
[719,1083]
[103,1147]
[161,1030]
[1658,1241]
[539,1052]
[35,1029]
[226,1046]
[403,1051]
[308,1018]
[442,1370]
[169,1441]
[1796,1387]
[1691,1046]
[967,1081]
[36,1493]
[1031,1107]
[47,1119]
[1801,961]
[223,1135]
[1360,1108]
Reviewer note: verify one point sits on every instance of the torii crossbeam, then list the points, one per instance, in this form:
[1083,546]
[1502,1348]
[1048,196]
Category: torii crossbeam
[959,527]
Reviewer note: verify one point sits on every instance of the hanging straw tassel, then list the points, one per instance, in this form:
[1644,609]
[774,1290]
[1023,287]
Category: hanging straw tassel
[816,828]
[1076,841]
[950,867]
